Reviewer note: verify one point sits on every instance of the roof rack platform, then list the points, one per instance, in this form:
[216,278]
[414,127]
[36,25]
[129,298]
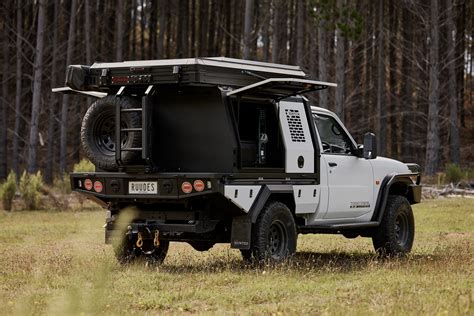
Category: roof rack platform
[208,71]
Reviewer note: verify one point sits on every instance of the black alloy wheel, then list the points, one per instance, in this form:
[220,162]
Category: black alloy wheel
[396,233]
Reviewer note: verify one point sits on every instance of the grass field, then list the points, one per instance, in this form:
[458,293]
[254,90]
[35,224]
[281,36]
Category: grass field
[57,263]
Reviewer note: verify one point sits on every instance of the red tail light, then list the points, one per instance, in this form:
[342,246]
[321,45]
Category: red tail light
[98,187]
[186,187]
[88,184]
[198,185]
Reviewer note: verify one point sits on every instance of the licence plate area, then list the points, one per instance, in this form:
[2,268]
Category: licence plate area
[143,187]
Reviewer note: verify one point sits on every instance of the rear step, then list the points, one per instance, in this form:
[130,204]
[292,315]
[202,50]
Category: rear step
[144,130]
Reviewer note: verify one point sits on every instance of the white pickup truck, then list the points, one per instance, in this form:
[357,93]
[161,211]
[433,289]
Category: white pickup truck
[221,150]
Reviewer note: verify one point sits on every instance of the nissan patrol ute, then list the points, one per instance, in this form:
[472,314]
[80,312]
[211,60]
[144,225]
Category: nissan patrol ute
[221,150]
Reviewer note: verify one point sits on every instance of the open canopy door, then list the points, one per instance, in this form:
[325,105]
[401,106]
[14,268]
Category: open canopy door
[281,88]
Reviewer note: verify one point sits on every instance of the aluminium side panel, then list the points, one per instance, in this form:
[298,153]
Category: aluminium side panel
[299,148]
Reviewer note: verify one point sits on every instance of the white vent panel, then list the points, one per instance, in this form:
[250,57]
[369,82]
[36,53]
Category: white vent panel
[299,150]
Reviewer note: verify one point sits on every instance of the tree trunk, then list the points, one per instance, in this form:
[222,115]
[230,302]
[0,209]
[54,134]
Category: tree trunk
[292,33]
[280,31]
[228,25]
[249,10]
[184,34]
[276,40]
[193,29]
[142,30]
[4,100]
[219,42]
[432,138]
[119,31]
[452,90]
[133,25]
[340,67]
[266,29]
[52,107]
[407,68]
[235,51]
[381,107]
[153,31]
[300,31]
[37,81]
[182,38]
[162,23]
[212,27]
[203,26]
[19,62]
[461,53]
[322,61]
[65,104]
[87,31]
[169,29]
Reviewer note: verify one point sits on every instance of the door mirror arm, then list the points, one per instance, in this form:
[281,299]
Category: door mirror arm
[359,151]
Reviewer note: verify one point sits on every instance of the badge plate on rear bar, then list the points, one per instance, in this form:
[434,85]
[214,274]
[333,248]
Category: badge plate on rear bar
[143,187]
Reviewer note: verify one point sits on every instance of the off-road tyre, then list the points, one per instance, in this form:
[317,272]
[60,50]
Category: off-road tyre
[246,255]
[202,245]
[395,235]
[98,132]
[126,252]
[274,234]
[159,254]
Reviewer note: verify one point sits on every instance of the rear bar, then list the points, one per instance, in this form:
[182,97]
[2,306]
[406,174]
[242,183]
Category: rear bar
[117,185]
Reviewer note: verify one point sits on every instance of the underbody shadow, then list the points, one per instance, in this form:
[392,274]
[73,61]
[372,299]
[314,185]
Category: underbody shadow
[304,262]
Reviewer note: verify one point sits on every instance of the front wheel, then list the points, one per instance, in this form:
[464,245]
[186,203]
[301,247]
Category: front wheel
[395,235]
[274,235]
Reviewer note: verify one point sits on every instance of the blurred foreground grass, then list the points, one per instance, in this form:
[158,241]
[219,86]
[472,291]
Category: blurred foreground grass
[56,263]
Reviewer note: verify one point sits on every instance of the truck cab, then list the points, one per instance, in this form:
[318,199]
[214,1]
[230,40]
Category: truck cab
[220,150]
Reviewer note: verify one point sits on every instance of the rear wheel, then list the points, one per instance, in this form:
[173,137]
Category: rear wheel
[396,232]
[274,235]
[246,254]
[127,251]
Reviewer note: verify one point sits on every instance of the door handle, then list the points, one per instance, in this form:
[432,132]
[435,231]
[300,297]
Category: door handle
[332,164]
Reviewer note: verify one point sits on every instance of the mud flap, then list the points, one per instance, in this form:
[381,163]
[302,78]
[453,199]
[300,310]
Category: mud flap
[241,232]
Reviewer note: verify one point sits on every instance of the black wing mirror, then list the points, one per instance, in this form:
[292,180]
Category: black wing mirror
[370,146]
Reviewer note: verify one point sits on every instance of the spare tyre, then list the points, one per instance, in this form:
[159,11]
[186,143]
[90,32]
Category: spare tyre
[98,132]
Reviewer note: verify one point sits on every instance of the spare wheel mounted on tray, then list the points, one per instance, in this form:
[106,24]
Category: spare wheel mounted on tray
[98,132]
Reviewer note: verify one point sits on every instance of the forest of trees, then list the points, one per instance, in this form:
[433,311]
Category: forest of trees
[404,69]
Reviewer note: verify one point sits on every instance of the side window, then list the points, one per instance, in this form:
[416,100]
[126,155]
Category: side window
[333,137]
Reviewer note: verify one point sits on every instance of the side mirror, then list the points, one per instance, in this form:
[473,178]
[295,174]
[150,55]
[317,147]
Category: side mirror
[370,146]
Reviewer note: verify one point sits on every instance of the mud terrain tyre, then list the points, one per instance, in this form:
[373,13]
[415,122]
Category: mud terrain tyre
[274,235]
[396,232]
[126,253]
[98,132]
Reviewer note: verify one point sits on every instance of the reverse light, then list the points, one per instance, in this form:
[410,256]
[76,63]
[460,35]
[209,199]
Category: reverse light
[88,184]
[98,187]
[198,185]
[186,187]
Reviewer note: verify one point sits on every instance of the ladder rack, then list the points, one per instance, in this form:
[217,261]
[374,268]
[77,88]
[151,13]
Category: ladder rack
[146,143]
